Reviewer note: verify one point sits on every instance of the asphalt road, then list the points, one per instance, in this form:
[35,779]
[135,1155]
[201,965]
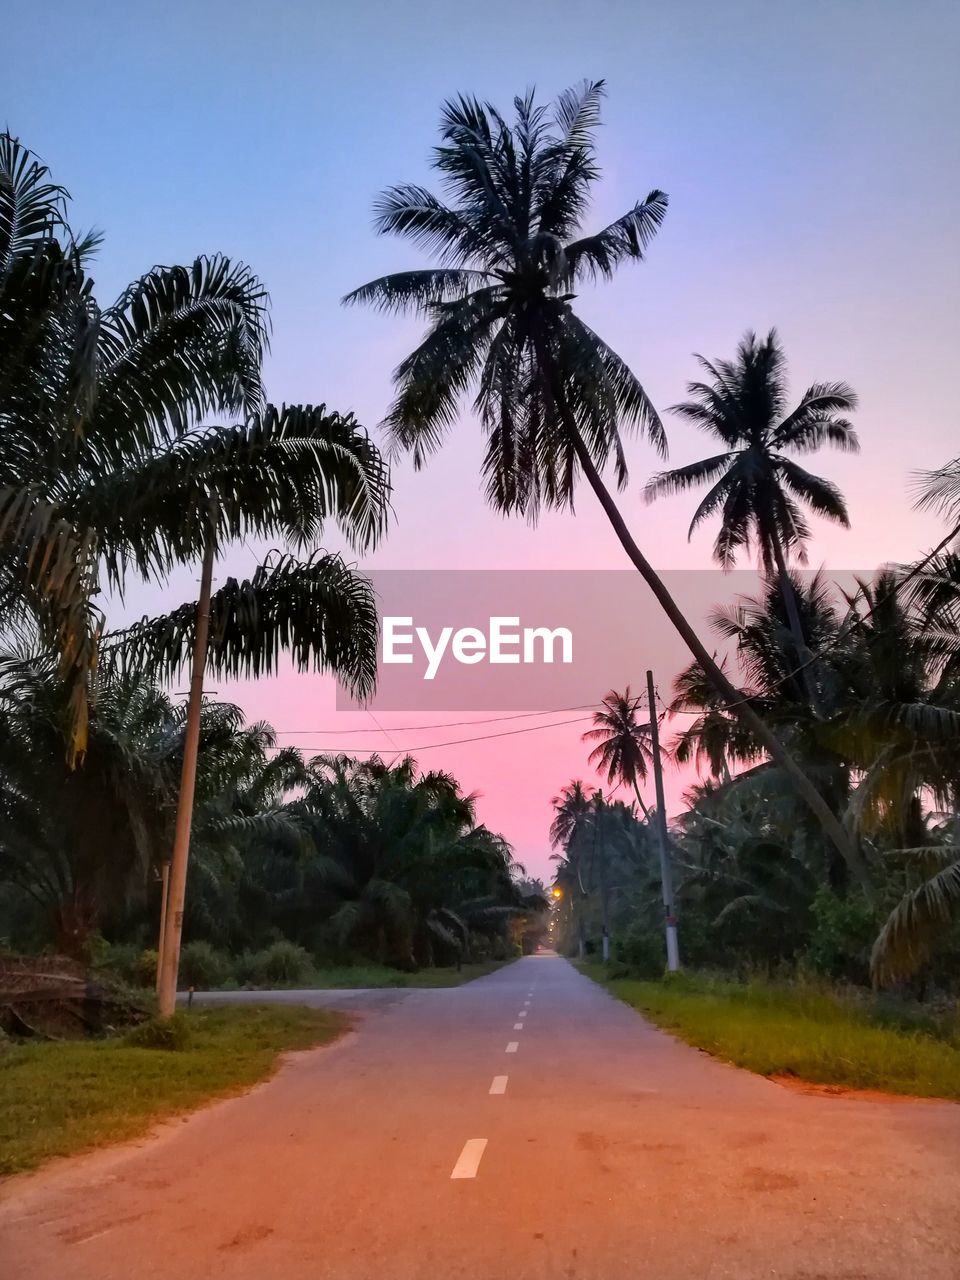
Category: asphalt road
[525,1125]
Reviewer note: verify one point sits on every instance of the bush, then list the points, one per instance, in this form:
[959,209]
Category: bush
[282,962]
[204,967]
[843,934]
[171,1033]
[128,963]
[643,951]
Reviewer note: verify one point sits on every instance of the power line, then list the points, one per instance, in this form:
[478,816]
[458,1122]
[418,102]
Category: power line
[456,742]
[446,724]
[388,736]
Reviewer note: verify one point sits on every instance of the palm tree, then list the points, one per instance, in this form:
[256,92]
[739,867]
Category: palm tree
[404,856]
[570,807]
[623,744]
[756,488]
[715,738]
[106,470]
[552,397]
[82,843]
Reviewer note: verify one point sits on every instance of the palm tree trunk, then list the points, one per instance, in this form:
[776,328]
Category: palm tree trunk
[643,807]
[176,893]
[735,699]
[804,656]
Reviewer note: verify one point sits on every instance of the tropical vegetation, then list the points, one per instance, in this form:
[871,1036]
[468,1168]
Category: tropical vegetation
[817,723]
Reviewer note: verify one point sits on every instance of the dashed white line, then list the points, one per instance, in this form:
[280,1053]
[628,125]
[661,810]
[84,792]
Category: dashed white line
[522,1013]
[518,1026]
[513,1046]
[470,1156]
[499,1084]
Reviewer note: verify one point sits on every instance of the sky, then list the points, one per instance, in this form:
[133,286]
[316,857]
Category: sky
[810,152]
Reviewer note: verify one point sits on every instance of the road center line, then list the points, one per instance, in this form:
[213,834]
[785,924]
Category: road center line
[522,1013]
[518,1026]
[513,1046]
[499,1084]
[469,1161]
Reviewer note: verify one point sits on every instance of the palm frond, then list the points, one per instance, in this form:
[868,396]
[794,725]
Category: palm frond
[320,611]
[598,256]
[179,343]
[417,291]
[905,941]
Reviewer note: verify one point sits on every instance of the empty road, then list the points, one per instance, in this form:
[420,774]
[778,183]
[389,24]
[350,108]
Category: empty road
[526,1125]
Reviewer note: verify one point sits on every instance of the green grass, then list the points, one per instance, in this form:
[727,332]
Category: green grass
[376,975]
[58,1098]
[797,1030]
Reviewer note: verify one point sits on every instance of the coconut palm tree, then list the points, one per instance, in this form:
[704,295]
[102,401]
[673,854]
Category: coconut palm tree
[757,489]
[570,808]
[108,470]
[715,738]
[623,743]
[552,397]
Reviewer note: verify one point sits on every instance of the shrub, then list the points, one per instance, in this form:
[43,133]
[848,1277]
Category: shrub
[843,933]
[145,968]
[171,1033]
[643,951]
[281,962]
[128,963]
[203,966]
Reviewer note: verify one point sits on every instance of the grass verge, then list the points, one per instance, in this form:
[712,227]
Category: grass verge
[58,1098]
[801,1031]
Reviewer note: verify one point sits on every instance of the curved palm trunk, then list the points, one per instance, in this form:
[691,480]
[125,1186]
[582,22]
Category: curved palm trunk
[737,703]
[775,749]
[643,807]
[804,656]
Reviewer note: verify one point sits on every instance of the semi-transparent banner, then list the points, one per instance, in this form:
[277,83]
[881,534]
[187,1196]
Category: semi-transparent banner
[533,640]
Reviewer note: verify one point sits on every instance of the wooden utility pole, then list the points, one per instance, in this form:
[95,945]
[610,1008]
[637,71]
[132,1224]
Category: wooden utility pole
[663,838]
[176,895]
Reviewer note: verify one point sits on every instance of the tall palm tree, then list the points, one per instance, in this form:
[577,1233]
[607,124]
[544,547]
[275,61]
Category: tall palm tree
[757,489]
[623,743]
[107,469]
[571,809]
[552,397]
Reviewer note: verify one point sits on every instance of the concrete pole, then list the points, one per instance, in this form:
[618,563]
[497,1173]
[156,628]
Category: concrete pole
[170,959]
[604,891]
[164,888]
[663,839]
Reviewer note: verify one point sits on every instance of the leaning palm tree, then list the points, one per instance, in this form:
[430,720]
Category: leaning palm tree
[757,489]
[623,743]
[552,397]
